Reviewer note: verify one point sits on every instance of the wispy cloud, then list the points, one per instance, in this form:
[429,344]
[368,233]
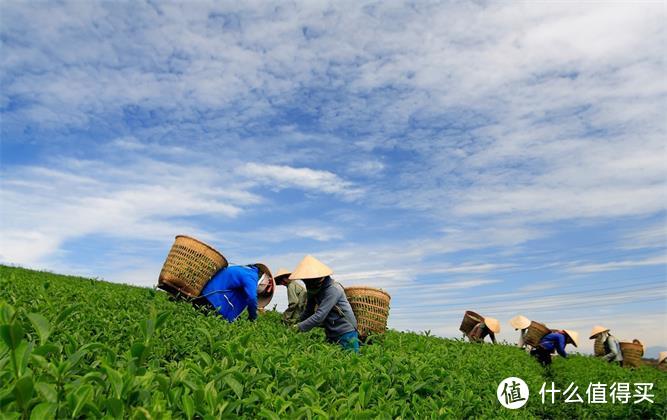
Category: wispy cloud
[652,236]
[280,177]
[660,260]
[470,148]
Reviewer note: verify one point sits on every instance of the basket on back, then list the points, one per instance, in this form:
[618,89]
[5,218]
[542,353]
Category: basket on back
[189,266]
[470,319]
[632,354]
[370,307]
[535,333]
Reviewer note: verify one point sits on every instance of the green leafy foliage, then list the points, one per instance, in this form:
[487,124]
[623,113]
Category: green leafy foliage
[76,348]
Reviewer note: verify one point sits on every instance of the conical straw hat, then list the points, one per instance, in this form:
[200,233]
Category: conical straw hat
[282,272]
[574,336]
[310,268]
[263,269]
[597,330]
[520,322]
[493,324]
[662,356]
[265,285]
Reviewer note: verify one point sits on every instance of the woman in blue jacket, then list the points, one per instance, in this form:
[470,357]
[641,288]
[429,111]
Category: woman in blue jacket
[554,342]
[234,288]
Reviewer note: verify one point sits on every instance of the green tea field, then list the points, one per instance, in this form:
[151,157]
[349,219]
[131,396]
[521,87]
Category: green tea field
[81,348]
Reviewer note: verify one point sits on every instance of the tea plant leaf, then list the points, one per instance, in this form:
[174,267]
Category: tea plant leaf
[67,312]
[47,391]
[82,396]
[23,390]
[44,411]
[161,318]
[22,357]
[46,349]
[7,313]
[42,326]
[114,406]
[268,414]
[12,334]
[236,386]
[363,393]
[188,406]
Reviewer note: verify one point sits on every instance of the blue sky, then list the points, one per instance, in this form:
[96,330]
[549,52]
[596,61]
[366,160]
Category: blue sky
[501,157]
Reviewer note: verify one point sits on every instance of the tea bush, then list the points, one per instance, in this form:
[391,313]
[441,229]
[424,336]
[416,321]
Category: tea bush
[74,347]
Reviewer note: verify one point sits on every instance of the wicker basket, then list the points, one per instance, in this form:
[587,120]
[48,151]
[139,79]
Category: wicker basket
[189,266]
[370,307]
[535,333]
[470,319]
[598,347]
[632,354]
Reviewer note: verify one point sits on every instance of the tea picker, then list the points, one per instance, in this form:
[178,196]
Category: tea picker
[662,359]
[606,345]
[296,296]
[333,312]
[554,342]
[483,326]
[235,288]
[521,324]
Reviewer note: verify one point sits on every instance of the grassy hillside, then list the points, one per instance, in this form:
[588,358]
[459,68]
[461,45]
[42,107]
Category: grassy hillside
[74,347]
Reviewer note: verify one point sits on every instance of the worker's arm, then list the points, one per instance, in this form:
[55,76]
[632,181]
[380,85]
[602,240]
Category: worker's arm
[327,304]
[560,344]
[493,337]
[250,288]
[310,308]
[522,340]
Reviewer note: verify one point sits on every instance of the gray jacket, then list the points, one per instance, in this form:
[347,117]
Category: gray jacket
[613,349]
[334,312]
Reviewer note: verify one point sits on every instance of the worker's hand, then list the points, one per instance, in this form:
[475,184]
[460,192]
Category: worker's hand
[295,327]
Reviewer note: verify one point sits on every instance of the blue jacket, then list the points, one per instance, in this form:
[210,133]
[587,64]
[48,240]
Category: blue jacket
[554,341]
[232,289]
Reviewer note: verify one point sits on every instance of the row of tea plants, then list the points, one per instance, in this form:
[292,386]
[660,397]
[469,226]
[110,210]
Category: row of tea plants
[80,348]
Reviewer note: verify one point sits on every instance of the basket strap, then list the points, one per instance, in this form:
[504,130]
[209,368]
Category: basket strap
[340,312]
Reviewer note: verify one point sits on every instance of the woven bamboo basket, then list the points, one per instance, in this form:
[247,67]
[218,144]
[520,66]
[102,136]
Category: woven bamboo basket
[632,354]
[535,332]
[598,346]
[470,319]
[189,266]
[370,307]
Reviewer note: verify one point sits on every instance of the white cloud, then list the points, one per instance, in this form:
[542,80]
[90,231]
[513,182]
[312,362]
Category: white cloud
[620,265]
[313,180]
[499,117]
[142,201]
[283,233]
[474,125]
[128,143]
[652,236]
[367,167]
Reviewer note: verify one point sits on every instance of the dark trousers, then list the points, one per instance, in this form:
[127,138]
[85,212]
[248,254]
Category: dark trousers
[543,356]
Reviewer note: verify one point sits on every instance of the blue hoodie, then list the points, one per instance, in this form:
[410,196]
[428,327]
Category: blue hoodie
[232,289]
[554,341]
